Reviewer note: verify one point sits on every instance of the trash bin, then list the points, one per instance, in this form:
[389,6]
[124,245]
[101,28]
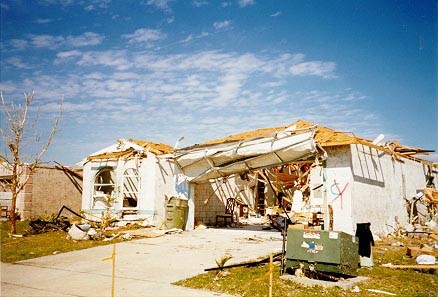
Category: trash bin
[327,251]
[176,213]
[366,240]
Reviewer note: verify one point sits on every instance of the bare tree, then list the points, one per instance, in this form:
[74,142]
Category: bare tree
[18,124]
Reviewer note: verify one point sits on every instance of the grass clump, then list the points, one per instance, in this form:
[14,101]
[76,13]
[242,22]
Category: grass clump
[15,249]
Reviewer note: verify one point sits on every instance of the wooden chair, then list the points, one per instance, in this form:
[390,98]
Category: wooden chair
[229,213]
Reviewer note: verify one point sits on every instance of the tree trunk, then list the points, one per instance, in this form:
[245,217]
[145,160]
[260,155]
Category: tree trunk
[12,216]
[14,191]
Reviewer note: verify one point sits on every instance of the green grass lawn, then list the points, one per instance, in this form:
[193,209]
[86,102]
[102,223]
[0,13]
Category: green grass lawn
[248,281]
[15,249]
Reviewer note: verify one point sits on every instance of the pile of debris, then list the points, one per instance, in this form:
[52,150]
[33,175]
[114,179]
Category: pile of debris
[84,229]
[41,226]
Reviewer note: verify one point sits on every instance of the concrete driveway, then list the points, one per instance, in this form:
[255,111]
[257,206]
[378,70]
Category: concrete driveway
[144,267]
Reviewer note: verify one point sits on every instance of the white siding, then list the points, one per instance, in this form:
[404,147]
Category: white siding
[381,185]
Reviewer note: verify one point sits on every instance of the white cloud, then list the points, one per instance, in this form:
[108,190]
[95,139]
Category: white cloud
[57,2]
[8,86]
[161,4]
[222,25]
[43,21]
[198,3]
[278,13]
[46,41]
[55,42]
[244,3]
[85,39]
[314,68]
[191,37]
[63,57]
[68,54]
[16,62]
[144,35]
[88,4]
[19,44]
[274,84]
[280,67]
[116,59]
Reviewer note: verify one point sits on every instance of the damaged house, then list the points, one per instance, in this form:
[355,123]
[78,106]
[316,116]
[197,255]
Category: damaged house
[129,180]
[349,180]
[319,176]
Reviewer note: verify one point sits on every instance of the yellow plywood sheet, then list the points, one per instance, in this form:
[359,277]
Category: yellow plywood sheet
[324,136]
[155,148]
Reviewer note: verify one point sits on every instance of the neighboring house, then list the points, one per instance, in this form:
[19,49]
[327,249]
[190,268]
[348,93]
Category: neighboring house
[129,180]
[47,190]
[360,181]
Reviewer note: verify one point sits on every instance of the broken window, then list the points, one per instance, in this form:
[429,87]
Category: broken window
[103,194]
[131,186]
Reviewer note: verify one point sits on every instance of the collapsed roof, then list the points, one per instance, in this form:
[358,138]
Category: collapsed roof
[327,137]
[322,136]
[233,156]
[126,148]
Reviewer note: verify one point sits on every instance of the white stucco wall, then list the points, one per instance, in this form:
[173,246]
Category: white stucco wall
[378,185]
[339,188]
[373,187]
[157,180]
[164,185]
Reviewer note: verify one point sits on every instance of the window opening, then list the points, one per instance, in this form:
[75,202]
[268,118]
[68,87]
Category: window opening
[131,186]
[103,194]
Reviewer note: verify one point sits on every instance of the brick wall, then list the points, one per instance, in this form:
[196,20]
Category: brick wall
[211,200]
[207,204]
[51,188]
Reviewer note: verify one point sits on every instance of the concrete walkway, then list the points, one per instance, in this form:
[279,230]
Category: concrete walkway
[145,267]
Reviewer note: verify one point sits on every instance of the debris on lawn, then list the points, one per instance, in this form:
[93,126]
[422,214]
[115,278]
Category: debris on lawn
[40,226]
[276,257]
[221,265]
[424,249]
[149,233]
[431,267]
[79,232]
[425,259]
[381,292]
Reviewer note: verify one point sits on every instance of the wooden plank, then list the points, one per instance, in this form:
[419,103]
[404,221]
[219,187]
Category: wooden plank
[414,251]
[417,266]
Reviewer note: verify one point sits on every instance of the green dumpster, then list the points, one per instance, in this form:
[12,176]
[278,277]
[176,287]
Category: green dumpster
[176,213]
[328,251]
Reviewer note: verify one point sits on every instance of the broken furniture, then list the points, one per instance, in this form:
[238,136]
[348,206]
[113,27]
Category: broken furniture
[229,213]
[325,251]
[243,209]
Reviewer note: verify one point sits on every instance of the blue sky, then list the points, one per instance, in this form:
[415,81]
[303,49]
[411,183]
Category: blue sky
[160,69]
